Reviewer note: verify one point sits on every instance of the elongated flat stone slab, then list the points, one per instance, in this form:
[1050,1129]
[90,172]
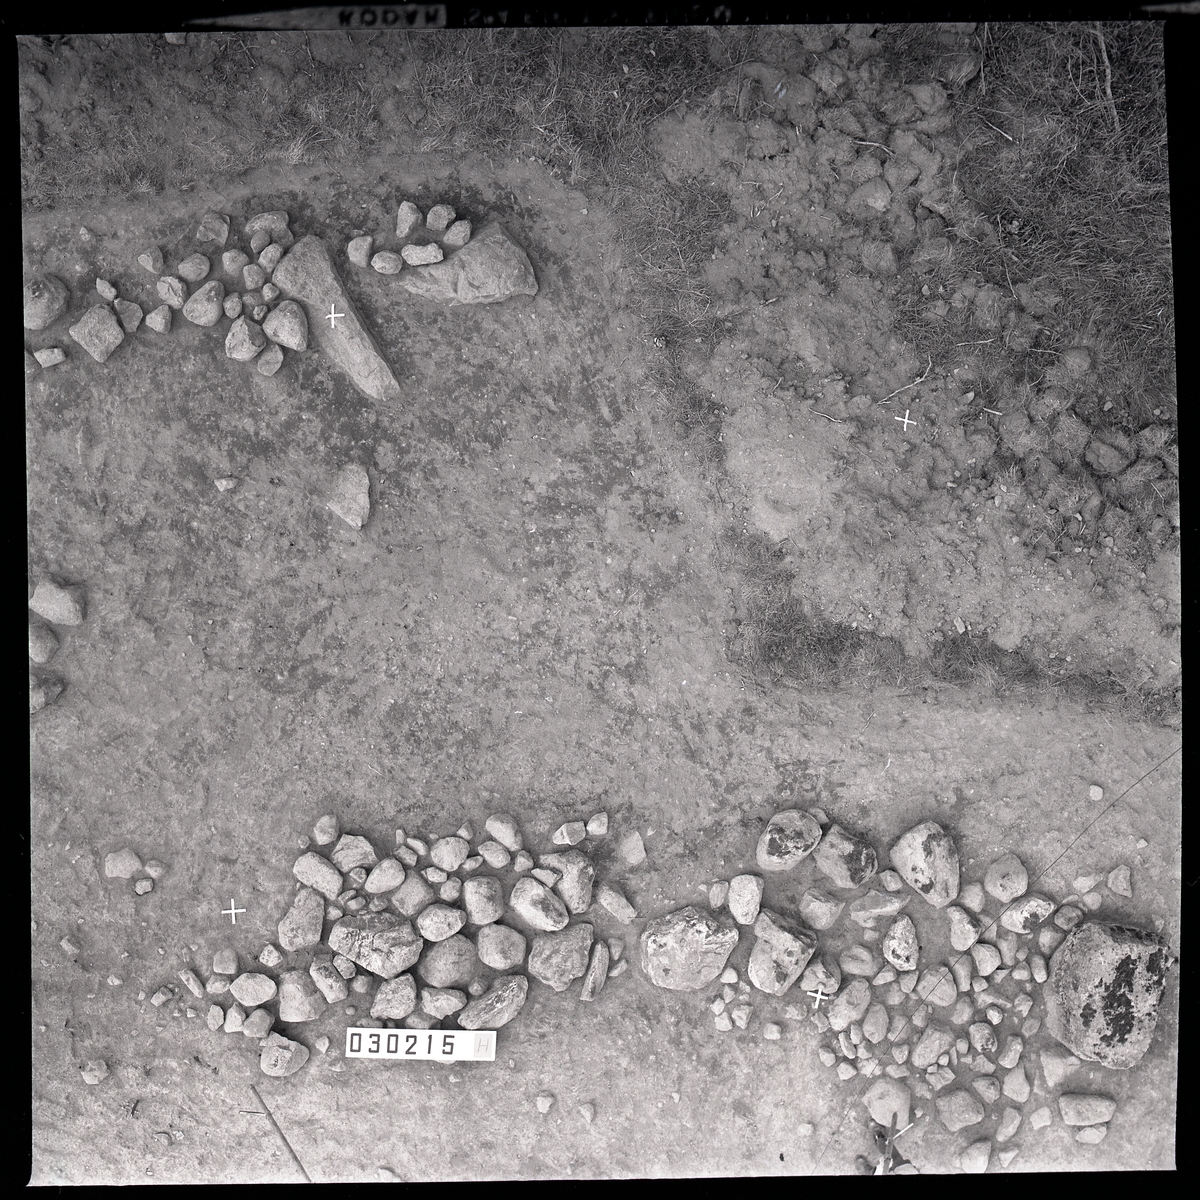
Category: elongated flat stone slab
[491,267]
[306,273]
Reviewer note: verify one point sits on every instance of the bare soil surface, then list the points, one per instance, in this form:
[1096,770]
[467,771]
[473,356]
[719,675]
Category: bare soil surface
[535,619]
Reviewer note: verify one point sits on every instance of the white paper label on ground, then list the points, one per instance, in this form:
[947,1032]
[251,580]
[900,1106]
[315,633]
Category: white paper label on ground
[444,1045]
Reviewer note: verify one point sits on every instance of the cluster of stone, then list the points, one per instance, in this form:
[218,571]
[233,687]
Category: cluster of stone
[441,932]
[420,240]
[261,326]
[55,605]
[126,864]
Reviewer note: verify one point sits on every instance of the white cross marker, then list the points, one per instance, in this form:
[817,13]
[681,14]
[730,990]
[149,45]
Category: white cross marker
[232,911]
[904,420]
[331,317]
[819,994]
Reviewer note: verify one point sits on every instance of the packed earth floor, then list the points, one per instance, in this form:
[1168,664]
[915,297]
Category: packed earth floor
[358,579]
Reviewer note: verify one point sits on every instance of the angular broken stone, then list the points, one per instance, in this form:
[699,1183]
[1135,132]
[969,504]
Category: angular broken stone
[875,906]
[214,227]
[927,860]
[850,1005]
[631,850]
[130,315]
[269,260]
[358,250]
[159,319]
[351,499]
[964,928]
[1006,879]
[287,325]
[1023,914]
[329,980]
[790,836]
[900,946]
[51,356]
[818,910]
[408,218]
[439,217]
[244,340]
[500,947]
[206,306]
[395,999]
[59,605]
[505,830]
[561,957]
[1119,882]
[45,301]
[281,1056]
[597,972]
[780,954]
[413,895]
[686,950]
[497,1006]
[576,876]
[304,921]
[380,942]
[571,833]
[537,906]
[489,269]
[847,859]
[299,999]
[151,260]
[1102,997]
[172,291]
[937,986]
[610,897]
[935,1040]
[98,332]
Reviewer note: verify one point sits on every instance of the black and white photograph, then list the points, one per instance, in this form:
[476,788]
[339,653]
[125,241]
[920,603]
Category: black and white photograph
[604,599]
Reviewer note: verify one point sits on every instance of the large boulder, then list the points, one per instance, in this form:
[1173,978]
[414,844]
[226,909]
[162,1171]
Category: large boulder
[490,268]
[379,942]
[307,274]
[686,950]
[927,860]
[497,1006]
[559,958]
[1102,997]
[45,301]
[790,836]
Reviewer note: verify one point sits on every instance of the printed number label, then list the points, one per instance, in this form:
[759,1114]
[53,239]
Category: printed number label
[455,1045]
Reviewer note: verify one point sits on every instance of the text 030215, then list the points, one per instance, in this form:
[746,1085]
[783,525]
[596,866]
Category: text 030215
[445,1045]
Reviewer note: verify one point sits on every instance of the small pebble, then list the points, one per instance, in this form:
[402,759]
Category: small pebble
[545,1102]
[143,887]
[846,1071]
[827,1056]
[588,1112]
[723,1022]
[772,1032]
[1096,793]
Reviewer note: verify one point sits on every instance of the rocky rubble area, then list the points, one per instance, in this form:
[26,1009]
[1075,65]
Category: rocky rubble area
[56,605]
[965,1003]
[439,932]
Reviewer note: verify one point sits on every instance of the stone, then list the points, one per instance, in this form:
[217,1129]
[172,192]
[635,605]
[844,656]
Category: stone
[790,836]
[569,834]
[98,332]
[780,954]
[846,1071]
[983,1037]
[900,946]
[269,956]
[745,897]
[544,1102]
[500,947]
[613,900]
[483,900]
[351,498]
[205,306]
[235,1019]
[307,274]
[451,890]
[387,262]
[130,315]
[1016,1085]
[1057,1066]
[304,921]
[1092,901]
[233,261]
[817,909]
[421,256]
[123,864]
[172,291]
[274,225]
[194,268]
[252,989]
[449,853]
[458,235]
[1119,882]
[875,906]
[407,855]
[885,1099]
[489,269]
[225,961]
[964,928]
[974,1159]
[850,1005]
[985,957]
[971,897]
[439,218]
[282,1057]
[49,357]
[214,227]
[958,1109]
[1095,793]
[412,896]
[884,976]
[244,340]
[380,942]
[935,1042]
[631,850]
[891,880]
[151,260]
[287,326]
[143,887]
[435,875]
[270,293]
[408,218]
[1022,915]
[537,906]
[1040,1118]
[1105,459]
[269,258]
[505,830]
[395,999]
[46,300]
[358,251]
[106,290]
[821,974]
[192,983]
[685,950]
[847,859]
[253,278]
[1092,1135]
[260,241]
[597,825]
[451,963]
[232,306]
[960,968]
[718,894]
[59,605]
[328,980]
[42,691]
[575,883]
[258,1024]
[385,876]
[159,319]
[299,998]
[1078,1108]
[597,971]
[441,1002]
[1011,1054]
[497,1006]
[437,922]
[858,960]
[875,1023]
[927,860]
[937,986]
[319,874]
[1006,879]
[494,854]
[353,851]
